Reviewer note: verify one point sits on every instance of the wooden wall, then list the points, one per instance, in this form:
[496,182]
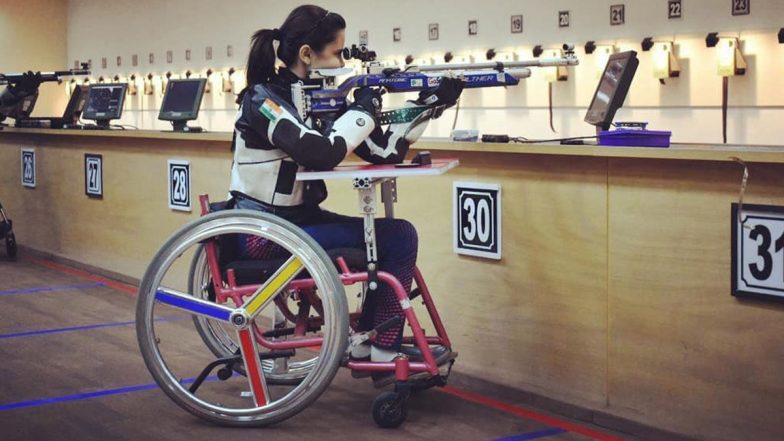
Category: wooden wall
[613,291]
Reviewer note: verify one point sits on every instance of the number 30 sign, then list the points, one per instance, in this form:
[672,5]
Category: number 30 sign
[758,251]
[477,219]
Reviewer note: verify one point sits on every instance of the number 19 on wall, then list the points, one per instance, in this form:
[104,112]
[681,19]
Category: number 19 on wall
[758,251]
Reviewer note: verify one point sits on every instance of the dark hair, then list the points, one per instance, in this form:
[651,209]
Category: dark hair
[307,24]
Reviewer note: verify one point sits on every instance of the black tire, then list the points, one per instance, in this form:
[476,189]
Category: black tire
[389,410]
[10,246]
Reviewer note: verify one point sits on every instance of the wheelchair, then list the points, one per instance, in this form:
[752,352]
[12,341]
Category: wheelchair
[276,330]
[7,234]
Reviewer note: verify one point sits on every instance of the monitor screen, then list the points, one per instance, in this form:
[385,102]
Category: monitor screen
[182,99]
[612,89]
[105,102]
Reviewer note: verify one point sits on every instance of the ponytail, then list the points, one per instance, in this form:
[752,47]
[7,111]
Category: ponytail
[261,59]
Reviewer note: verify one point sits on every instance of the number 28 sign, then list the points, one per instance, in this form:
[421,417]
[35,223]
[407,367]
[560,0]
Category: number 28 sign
[179,185]
[477,219]
[758,251]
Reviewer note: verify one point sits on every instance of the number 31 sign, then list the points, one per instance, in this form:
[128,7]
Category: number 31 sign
[477,219]
[758,251]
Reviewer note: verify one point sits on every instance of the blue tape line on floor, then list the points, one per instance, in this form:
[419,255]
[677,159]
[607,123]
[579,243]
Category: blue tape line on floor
[80,328]
[88,395]
[534,435]
[41,289]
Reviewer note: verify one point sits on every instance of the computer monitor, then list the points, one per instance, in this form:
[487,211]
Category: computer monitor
[76,104]
[105,103]
[25,107]
[181,102]
[612,89]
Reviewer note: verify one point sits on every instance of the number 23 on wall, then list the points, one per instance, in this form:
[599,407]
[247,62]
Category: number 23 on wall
[758,251]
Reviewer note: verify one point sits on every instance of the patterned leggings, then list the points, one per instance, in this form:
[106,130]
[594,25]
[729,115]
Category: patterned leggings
[397,253]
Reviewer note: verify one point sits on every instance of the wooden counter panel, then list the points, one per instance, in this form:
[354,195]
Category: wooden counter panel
[684,353]
[537,319]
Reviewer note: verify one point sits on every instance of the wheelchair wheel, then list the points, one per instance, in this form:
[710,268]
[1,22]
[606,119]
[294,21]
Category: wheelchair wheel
[221,339]
[174,354]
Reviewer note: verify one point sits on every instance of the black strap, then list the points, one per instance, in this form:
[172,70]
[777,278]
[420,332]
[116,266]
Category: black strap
[550,104]
[724,96]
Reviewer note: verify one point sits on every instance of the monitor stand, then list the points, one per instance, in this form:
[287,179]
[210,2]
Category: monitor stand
[103,123]
[182,126]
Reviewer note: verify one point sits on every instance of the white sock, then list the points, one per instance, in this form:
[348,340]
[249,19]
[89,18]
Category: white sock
[379,354]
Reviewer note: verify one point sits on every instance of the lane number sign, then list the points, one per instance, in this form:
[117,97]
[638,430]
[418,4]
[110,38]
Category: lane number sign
[179,185]
[477,219]
[758,251]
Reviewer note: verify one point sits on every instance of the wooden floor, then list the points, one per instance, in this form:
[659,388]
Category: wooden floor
[71,369]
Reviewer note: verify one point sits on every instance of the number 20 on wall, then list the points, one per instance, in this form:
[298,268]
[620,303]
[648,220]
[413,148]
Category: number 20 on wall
[758,251]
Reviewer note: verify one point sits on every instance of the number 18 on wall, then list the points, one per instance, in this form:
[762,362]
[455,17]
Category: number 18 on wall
[758,251]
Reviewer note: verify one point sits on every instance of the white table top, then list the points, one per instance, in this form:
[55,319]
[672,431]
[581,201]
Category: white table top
[363,170]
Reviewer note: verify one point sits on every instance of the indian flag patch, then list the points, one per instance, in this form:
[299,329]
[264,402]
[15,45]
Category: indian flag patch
[271,110]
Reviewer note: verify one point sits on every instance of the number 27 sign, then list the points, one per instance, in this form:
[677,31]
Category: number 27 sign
[758,251]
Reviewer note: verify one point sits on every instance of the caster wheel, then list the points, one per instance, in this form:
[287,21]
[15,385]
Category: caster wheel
[389,410]
[224,374]
[10,246]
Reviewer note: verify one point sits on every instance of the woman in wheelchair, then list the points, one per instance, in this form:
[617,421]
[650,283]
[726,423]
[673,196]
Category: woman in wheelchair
[272,143]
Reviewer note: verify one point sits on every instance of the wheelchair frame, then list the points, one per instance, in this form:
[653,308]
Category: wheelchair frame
[389,408]
[401,366]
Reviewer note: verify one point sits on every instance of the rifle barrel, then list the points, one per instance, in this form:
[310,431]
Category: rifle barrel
[543,62]
[45,76]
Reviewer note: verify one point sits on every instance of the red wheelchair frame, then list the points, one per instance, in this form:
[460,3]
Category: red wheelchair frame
[303,322]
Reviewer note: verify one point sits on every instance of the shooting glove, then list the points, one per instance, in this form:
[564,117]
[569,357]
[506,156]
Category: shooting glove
[368,99]
[445,94]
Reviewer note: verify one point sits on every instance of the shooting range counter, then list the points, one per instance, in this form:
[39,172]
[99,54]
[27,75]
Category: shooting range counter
[614,279]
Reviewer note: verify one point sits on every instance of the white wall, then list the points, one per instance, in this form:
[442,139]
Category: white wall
[33,37]
[689,106]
